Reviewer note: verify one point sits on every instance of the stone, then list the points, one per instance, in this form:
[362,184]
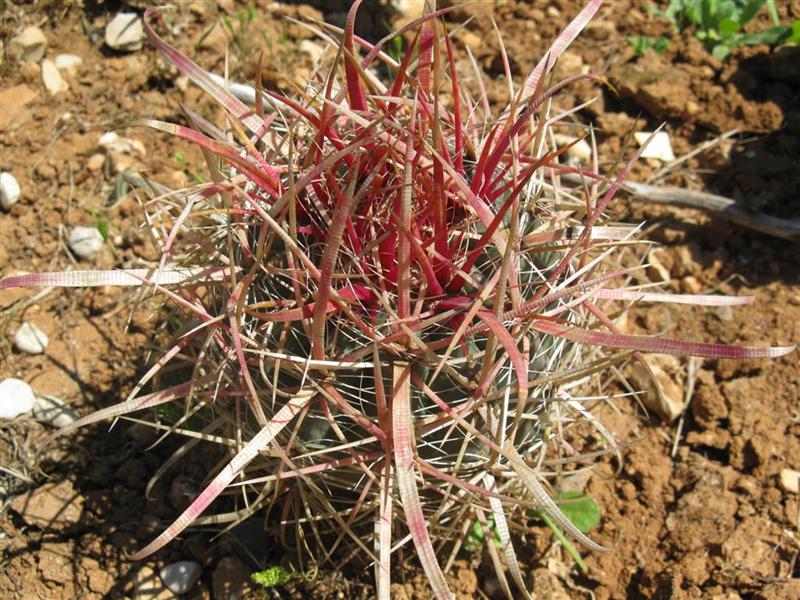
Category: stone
[14,100]
[16,398]
[51,76]
[49,409]
[580,152]
[51,506]
[99,579]
[30,339]
[789,481]
[569,64]
[55,562]
[660,147]
[113,142]
[410,9]
[125,32]
[313,49]
[9,189]
[230,578]
[148,586]
[656,270]
[30,45]
[95,162]
[85,242]
[179,577]
[69,63]
[471,39]
[663,391]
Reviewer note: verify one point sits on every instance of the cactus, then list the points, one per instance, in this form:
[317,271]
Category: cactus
[392,300]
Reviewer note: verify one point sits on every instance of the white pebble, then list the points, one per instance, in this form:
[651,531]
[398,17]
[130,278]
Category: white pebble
[9,190]
[69,63]
[659,147]
[16,398]
[85,242]
[179,577]
[125,32]
[29,338]
[51,410]
[790,481]
[113,142]
[581,151]
[29,45]
[51,76]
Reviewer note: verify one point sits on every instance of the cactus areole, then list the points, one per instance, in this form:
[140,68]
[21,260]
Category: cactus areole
[392,302]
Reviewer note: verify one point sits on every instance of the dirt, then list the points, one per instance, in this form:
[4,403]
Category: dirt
[695,510]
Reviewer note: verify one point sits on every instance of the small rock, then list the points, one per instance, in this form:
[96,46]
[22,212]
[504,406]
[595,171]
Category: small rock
[51,506]
[663,391]
[410,9]
[179,577]
[657,271]
[580,152]
[51,410]
[85,242]
[113,142]
[30,339]
[600,30]
[691,285]
[16,398]
[69,63]
[125,32]
[147,586]
[30,45]
[313,49]
[569,63]
[229,579]
[100,580]
[789,481]
[9,190]
[96,162]
[659,147]
[471,39]
[51,76]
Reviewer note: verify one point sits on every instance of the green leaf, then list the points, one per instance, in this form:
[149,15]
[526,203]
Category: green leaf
[721,51]
[579,508]
[102,227]
[271,577]
[729,26]
[749,11]
[795,37]
[772,36]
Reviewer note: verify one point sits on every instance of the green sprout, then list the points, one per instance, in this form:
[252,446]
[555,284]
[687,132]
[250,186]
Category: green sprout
[582,511]
[641,43]
[719,24]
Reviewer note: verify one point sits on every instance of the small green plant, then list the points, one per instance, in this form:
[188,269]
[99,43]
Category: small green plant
[719,24]
[582,511]
[272,577]
[641,43]
[476,535]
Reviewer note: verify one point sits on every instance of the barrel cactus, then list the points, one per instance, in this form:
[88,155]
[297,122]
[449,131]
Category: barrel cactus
[392,298]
